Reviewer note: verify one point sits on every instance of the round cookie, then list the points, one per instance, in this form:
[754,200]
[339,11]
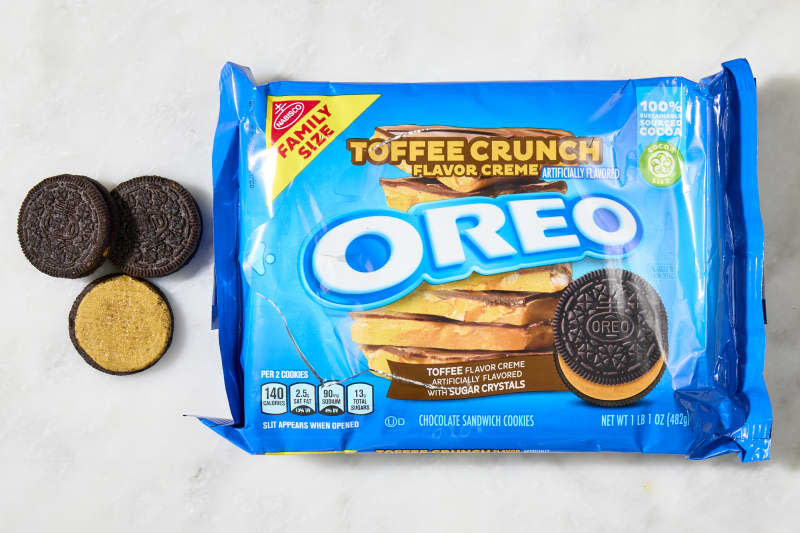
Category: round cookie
[160,227]
[610,329]
[64,226]
[121,325]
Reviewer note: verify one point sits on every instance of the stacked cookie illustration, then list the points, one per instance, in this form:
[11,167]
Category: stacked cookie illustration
[482,317]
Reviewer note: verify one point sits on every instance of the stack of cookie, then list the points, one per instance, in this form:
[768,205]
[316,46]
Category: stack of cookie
[477,318]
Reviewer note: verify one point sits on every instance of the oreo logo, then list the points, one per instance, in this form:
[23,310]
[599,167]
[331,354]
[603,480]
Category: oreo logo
[370,258]
[609,327]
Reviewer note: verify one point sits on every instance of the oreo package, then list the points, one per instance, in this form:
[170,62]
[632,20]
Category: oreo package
[491,267]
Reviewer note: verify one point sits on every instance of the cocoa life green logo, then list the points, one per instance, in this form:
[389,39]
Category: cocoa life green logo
[661,164]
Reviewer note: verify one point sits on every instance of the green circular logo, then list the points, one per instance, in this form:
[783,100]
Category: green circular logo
[661,164]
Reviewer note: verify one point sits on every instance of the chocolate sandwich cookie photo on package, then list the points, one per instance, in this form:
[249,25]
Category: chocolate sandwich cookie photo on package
[491,266]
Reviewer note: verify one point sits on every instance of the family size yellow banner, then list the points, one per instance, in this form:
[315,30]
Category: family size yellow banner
[300,127]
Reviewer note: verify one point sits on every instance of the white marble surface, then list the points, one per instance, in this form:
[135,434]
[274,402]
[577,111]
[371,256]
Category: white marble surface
[114,90]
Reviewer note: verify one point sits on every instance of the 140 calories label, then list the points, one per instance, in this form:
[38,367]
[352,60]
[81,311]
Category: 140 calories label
[273,398]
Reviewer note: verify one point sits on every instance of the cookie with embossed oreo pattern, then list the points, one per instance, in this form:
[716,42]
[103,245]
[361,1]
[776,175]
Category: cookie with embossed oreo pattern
[64,226]
[610,330]
[159,227]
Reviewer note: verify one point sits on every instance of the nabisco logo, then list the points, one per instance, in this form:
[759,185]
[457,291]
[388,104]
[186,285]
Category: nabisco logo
[287,113]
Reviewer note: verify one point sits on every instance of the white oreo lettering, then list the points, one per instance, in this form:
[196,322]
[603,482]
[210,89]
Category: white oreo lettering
[526,214]
[334,272]
[508,233]
[584,213]
[448,249]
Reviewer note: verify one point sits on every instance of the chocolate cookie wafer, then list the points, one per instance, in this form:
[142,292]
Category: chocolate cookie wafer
[65,225]
[610,330]
[160,227]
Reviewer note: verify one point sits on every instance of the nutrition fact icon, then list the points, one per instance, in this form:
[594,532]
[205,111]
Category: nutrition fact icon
[302,399]
[273,398]
[331,399]
[359,399]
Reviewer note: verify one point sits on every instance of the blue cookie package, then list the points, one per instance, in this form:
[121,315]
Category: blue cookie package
[491,267]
